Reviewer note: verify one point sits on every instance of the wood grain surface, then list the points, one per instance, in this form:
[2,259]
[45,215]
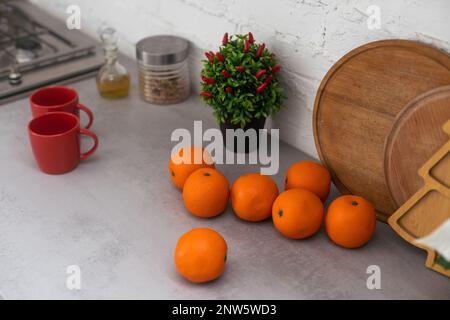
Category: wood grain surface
[429,207]
[415,136]
[357,103]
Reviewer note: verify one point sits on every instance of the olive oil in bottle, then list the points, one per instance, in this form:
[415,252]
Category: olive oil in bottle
[113,80]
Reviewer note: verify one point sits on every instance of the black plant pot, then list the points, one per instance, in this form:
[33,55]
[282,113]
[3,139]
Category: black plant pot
[254,124]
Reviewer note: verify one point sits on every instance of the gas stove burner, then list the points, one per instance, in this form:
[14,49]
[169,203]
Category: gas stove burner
[28,44]
[26,49]
[37,49]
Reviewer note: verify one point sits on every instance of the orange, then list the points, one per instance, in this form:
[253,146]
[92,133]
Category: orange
[297,213]
[252,196]
[179,172]
[311,176]
[200,255]
[350,221]
[206,193]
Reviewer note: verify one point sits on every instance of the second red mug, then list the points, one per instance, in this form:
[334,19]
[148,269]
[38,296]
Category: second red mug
[55,140]
[58,99]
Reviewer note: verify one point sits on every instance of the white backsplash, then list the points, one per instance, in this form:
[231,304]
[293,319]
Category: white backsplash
[308,36]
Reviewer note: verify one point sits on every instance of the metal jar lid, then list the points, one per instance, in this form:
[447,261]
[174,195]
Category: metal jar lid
[162,50]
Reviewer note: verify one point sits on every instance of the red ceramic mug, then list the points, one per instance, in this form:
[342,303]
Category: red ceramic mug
[55,140]
[53,99]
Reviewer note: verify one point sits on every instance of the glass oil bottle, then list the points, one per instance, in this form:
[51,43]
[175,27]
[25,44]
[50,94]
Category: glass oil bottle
[113,80]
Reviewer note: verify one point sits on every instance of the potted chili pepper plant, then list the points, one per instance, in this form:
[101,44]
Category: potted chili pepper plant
[240,82]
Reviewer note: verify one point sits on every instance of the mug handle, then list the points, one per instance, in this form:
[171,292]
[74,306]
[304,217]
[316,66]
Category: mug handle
[88,112]
[92,135]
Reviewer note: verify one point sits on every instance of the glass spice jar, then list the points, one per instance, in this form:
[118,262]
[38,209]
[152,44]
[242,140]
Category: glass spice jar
[163,69]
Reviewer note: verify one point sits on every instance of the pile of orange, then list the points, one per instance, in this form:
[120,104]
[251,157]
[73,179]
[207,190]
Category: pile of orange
[297,213]
[185,162]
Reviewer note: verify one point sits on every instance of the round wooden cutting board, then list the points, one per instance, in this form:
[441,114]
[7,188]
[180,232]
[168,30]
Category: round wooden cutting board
[357,103]
[415,136]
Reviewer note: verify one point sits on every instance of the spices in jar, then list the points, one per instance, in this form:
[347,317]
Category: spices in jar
[163,69]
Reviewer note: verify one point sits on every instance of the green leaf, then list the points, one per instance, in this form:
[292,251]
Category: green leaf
[444,263]
[244,104]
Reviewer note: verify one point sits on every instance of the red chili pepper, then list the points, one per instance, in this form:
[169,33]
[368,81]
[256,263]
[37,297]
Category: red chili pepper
[225,74]
[220,57]
[260,73]
[209,57]
[260,51]
[206,94]
[212,56]
[250,37]
[208,80]
[276,68]
[225,39]
[240,69]
[246,46]
[268,79]
[229,89]
[261,87]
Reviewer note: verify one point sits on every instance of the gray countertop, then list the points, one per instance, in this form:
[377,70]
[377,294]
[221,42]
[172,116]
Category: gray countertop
[118,217]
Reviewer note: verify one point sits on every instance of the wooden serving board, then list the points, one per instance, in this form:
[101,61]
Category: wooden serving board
[357,103]
[415,136]
[429,207]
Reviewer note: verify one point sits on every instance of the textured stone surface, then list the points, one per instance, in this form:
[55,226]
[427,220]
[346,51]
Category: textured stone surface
[307,35]
[118,217]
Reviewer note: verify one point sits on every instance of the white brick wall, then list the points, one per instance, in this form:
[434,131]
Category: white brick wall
[307,35]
